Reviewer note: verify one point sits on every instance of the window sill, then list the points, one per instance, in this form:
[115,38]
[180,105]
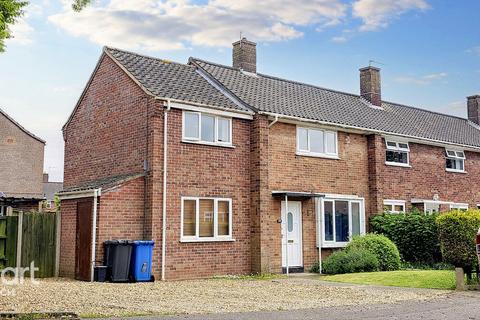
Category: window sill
[317,155]
[334,245]
[187,240]
[455,171]
[213,144]
[395,164]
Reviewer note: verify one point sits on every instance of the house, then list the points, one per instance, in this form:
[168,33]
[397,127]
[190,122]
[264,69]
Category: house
[21,166]
[50,189]
[231,171]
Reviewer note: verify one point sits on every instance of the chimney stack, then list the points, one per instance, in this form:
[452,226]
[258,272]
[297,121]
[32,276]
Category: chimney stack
[473,105]
[370,85]
[244,55]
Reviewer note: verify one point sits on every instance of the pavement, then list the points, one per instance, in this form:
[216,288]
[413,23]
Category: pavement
[454,306]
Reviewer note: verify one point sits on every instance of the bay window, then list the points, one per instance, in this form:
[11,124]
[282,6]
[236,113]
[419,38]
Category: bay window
[340,220]
[205,128]
[455,161]
[397,153]
[317,142]
[206,219]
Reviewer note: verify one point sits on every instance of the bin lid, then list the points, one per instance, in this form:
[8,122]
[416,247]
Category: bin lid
[144,242]
[118,242]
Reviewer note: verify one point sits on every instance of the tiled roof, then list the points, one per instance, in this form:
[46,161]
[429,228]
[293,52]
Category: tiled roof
[104,183]
[166,79]
[273,95]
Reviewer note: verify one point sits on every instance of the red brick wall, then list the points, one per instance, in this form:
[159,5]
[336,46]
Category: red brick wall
[427,177]
[107,135]
[206,171]
[121,214]
[288,171]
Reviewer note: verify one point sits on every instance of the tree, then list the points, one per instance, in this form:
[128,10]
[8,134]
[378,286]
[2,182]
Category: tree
[78,5]
[10,11]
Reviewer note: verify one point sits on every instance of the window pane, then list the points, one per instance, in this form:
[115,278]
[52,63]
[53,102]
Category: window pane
[316,141]
[330,142]
[403,146]
[387,207]
[290,222]
[328,217]
[223,218]
[355,218]
[206,218]
[450,153]
[189,219]
[391,144]
[341,221]
[208,125]
[302,139]
[223,130]
[460,154]
[450,163]
[191,125]
[399,208]
[460,164]
[397,156]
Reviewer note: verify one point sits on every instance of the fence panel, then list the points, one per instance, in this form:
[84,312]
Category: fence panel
[38,242]
[8,241]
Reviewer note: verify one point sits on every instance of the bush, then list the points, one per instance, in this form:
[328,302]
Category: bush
[355,260]
[315,268]
[415,234]
[457,231]
[381,247]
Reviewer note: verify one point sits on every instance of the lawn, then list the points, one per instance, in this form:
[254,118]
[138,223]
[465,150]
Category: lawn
[433,279]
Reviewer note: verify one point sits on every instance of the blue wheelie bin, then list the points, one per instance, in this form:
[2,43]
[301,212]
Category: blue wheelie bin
[141,266]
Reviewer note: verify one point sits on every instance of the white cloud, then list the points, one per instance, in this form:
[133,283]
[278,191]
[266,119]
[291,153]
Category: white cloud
[177,24]
[377,14]
[21,30]
[339,39]
[474,50]
[424,80]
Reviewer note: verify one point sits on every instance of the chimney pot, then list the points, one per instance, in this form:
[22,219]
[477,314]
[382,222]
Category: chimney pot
[370,85]
[244,55]
[473,106]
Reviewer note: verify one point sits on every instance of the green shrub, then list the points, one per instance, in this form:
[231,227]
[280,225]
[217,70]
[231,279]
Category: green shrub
[355,260]
[383,248]
[415,234]
[315,268]
[457,230]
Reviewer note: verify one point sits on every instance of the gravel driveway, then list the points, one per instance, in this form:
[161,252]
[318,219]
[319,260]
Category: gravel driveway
[198,296]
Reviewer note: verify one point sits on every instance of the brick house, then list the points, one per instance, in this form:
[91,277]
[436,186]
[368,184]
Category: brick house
[21,166]
[231,171]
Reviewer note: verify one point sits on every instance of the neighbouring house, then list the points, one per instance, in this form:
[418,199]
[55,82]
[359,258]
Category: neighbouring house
[231,171]
[21,166]
[50,189]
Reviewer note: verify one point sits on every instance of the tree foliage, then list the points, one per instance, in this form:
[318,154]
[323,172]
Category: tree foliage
[78,5]
[10,11]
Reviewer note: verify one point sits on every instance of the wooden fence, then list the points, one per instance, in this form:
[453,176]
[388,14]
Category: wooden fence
[27,237]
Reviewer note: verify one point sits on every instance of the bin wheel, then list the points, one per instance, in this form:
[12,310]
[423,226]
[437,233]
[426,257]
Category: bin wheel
[152,278]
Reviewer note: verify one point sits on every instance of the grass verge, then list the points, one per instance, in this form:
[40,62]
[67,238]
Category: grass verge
[430,279]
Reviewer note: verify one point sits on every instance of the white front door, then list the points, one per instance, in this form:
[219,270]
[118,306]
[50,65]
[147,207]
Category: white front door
[292,233]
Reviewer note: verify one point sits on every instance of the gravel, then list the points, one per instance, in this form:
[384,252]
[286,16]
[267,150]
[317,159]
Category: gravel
[196,296]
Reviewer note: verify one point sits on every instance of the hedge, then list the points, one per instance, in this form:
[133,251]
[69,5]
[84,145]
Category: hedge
[383,248]
[414,233]
[457,231]
[355,260]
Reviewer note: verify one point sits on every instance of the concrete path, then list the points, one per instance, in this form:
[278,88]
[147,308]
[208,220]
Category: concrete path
[455,306]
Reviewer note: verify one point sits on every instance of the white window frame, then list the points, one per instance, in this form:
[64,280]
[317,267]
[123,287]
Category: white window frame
[307,152]
[215,129]
[455,157]
[321,218]
[459,206]
[394,203]
[397,148]
[215,237]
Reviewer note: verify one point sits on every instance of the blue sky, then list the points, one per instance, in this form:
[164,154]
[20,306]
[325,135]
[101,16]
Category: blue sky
[429,50]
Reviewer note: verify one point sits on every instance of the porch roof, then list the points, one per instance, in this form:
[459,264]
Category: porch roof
[297,194]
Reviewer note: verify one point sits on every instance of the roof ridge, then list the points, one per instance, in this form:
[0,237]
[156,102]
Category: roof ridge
[332,90]
[147,56]
[21,127]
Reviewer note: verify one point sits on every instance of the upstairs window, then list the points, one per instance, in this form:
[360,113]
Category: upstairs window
[455,161]
[398,153]
[317,142]
[205,128]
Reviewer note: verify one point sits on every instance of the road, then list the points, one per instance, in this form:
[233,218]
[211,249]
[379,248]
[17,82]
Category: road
[455,306]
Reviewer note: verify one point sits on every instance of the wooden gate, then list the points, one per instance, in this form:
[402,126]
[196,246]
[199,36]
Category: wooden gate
[39,242]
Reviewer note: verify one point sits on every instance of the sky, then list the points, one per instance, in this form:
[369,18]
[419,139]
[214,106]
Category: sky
[429,51]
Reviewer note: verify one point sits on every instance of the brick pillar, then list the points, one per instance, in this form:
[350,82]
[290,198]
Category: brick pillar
[376,159]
